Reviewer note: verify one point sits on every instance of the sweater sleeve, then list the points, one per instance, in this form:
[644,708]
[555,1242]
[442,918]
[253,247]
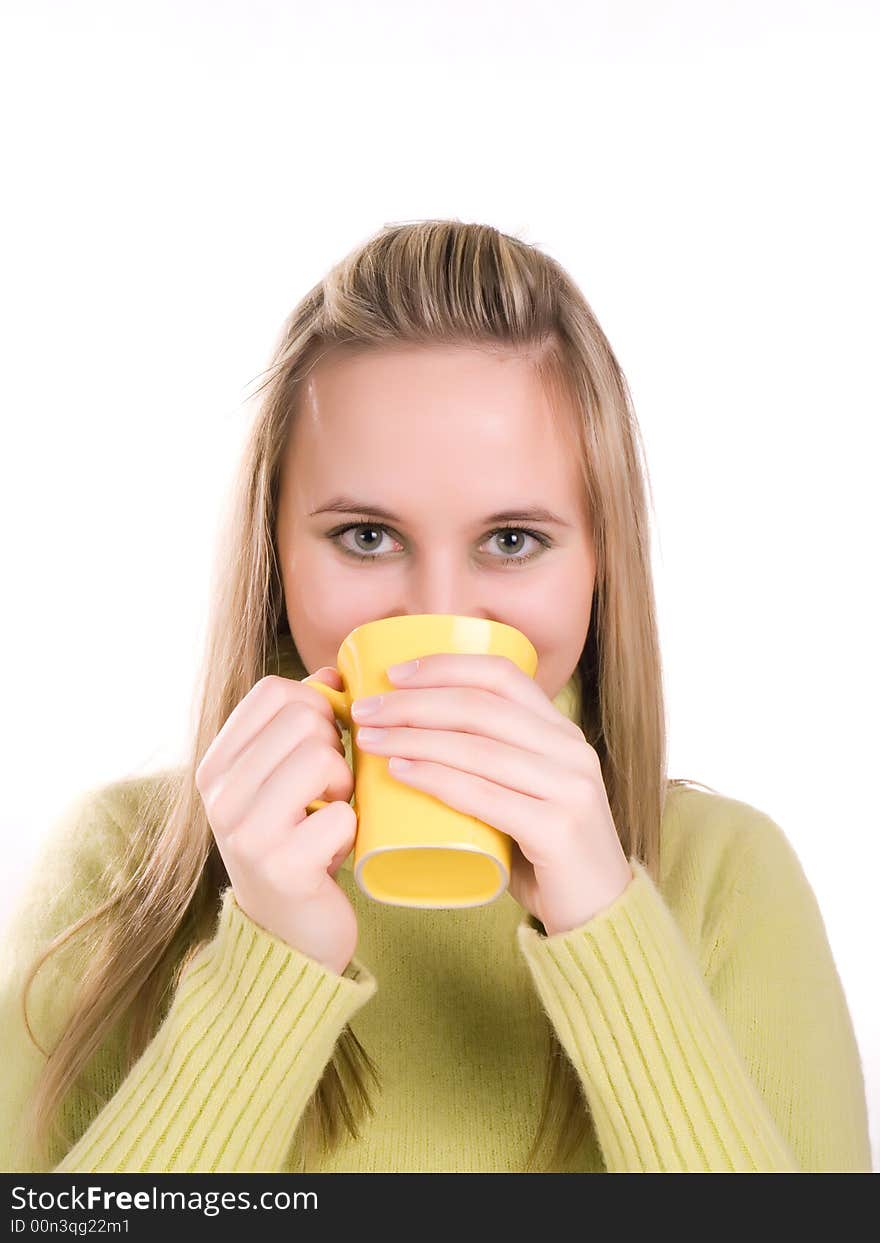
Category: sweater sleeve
[224,1081]
[754,1068]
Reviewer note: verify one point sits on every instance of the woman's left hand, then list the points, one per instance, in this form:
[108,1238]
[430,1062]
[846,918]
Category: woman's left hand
[484,738]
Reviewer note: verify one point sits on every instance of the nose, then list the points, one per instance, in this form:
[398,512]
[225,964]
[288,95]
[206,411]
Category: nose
[442,584]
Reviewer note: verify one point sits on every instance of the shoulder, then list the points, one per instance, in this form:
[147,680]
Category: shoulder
[713,845]
[104,818]
[123,803]
[87,846]
[713,826]
[82,857]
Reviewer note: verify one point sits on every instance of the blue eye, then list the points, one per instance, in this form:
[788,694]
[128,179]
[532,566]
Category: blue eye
[336,536]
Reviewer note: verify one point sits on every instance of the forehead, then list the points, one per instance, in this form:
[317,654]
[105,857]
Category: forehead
[408,419]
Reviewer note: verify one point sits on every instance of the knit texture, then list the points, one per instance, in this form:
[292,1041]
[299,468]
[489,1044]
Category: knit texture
[704,1018]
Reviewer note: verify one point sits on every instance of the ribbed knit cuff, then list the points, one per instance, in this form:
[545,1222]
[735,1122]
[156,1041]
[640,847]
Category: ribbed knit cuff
[223,1083]
[667,1088]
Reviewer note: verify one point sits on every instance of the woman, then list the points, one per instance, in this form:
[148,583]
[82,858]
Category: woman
[212,991]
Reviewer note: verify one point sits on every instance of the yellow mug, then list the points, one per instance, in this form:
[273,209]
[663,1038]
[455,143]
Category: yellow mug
[412,849]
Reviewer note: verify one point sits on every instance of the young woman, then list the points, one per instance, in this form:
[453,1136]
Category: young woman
[194,982]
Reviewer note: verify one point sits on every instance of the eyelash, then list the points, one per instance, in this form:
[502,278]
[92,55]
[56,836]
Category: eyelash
[338,532]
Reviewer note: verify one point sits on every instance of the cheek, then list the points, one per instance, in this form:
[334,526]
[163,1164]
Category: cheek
[324,599]
[557,622]
[554,617]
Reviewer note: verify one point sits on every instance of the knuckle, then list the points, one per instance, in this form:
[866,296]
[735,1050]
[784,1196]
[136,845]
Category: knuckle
[293,712]
[206,786]
[324,760]
[595,764]
[312,748]
[302,712]
[214,807]
[585,792]
[204,774]
[273,689]
[270,680]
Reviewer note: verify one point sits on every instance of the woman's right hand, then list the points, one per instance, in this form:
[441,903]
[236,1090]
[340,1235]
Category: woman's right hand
[278,750]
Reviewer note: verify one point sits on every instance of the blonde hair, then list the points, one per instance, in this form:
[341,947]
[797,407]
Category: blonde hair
[422,283]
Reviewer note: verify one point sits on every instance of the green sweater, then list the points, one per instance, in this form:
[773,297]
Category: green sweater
[704,1017]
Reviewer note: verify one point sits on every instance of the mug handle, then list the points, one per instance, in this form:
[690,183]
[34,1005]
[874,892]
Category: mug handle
[340,702]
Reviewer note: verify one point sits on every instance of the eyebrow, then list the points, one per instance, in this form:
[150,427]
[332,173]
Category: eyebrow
[348,505]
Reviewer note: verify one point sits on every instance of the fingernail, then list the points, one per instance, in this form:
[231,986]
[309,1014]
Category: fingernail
[399,673]
[366,707]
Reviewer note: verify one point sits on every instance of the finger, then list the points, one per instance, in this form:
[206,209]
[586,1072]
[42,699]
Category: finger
[278,806]
[479,712]
[263,701]
[532,822]
[322,841]
[526,772]
[288,731]
[489,672]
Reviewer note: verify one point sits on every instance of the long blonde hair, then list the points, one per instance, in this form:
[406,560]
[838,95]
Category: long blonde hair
[426,282]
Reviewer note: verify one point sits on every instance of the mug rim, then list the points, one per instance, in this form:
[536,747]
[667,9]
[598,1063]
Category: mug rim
[403,619]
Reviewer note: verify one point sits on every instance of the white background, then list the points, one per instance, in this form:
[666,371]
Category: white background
[179,174]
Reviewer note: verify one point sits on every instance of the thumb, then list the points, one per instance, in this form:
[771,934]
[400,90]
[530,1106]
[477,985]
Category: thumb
[329,675]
